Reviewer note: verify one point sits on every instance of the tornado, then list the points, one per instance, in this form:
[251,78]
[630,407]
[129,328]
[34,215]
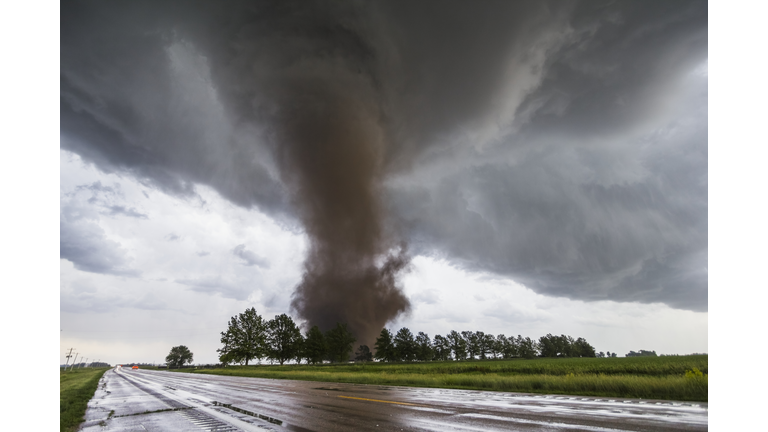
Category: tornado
[330,145]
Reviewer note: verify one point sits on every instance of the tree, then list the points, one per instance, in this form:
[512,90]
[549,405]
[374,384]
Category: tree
[244,339]
[283,338]
[472,343]
[300,353]
[508,346]
[642,353]
[340,341]
[487,344]
[495,344]
[385,348]
[458,345]
[315,346]
[405,346]
[441,348]
[526,347]
[178,356]
[556,346]
[581,348]
[548,346]
[363,354]
[424,350]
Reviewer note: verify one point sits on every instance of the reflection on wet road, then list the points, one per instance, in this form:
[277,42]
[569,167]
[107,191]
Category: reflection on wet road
[129,400]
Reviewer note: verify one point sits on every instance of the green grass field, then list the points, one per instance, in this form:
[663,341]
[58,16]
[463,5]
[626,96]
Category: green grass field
[633,377]
[76,388]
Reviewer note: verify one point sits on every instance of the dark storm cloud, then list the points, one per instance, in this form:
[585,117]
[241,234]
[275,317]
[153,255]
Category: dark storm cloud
[562,144]
[597,189]
[249,257]
[550,222]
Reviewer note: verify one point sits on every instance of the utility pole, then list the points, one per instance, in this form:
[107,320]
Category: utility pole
[68,356]
[73,362]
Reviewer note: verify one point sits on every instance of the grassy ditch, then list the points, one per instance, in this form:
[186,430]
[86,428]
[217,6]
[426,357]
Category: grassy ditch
[673,378]
[76,388]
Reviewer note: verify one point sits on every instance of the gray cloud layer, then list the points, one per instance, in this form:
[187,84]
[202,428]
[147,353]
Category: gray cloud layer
[216,284]
[85,244]
[561,144]
[249,258]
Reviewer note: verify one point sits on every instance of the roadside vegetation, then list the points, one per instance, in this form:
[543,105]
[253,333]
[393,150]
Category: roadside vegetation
[681,378]
[463,360]
[76,388]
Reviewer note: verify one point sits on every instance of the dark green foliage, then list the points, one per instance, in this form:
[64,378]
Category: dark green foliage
[300,349]
[405,345]
[283,338]
[583,349]
[487,345]
[385,348]
[565,346]
[494,345]
[441,349]
[424,350]
[178,356]
[458,345]
[642,353]
[363,354]
[472,343]
[555,346]
[315,346]
[507,346]
[340,341]
[244,339]
[526,347]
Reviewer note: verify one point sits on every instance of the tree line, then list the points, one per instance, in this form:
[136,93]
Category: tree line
[469,345]
[250,337]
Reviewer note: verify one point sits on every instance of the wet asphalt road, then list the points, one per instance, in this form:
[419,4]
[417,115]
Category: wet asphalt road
[139,400]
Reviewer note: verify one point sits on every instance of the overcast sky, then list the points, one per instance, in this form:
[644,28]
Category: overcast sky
[546,165]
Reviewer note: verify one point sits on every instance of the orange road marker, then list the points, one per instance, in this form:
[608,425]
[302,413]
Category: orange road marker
[376,400]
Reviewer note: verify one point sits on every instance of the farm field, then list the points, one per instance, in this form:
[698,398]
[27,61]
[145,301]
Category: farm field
[682,378]
[76,388]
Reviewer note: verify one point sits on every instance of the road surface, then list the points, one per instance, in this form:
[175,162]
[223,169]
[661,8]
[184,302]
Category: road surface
[139,400]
